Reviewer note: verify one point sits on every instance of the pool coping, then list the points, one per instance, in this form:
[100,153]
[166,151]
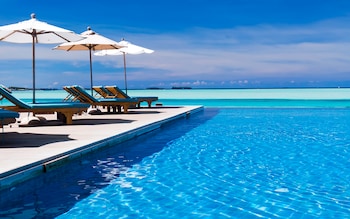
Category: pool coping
[22,173]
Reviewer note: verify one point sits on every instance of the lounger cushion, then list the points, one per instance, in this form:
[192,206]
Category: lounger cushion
[8,114]
[58,105]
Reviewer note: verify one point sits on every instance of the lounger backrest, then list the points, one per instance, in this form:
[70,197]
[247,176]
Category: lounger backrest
[70,96]
[111,92]
[6,88]
[101,91]
[116,91]
[87,97]
[121,92]
[12,99]
[73,95]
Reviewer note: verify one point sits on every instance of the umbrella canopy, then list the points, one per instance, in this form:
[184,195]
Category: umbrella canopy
[128,48]
[92,41]
[34,31]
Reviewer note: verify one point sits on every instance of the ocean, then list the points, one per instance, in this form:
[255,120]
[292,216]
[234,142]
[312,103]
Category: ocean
[301,97]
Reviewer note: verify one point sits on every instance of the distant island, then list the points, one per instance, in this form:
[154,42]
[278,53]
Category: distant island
[24,88]
[154,88]
[181,88]
[176,88]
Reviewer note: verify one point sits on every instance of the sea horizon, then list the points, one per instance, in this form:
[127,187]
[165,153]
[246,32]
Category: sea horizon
[190,88]
[258,97]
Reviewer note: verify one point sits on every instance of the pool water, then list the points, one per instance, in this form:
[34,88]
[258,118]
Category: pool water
[219,163]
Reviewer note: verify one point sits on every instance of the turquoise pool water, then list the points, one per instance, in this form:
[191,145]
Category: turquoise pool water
[219,163]
[241,163]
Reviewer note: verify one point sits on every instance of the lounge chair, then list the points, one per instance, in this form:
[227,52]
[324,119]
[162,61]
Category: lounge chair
[65,111]
[117,92]
[79,93]
[7,117]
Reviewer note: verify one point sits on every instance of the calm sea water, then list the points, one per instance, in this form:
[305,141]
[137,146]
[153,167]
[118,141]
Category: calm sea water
[311,97]
[224,162]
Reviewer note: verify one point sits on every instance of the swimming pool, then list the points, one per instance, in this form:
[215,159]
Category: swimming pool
[219,163]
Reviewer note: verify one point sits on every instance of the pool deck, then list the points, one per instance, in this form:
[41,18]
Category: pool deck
[26,152]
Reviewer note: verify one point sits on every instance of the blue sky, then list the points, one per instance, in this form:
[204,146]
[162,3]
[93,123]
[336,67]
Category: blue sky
[197,43]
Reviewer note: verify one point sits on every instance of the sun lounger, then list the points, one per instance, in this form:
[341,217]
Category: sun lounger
[117,92]
[7,117]
[79,93]
[65,111]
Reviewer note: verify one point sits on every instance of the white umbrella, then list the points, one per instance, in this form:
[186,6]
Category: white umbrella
[128,49]
[92,41]
[34,31]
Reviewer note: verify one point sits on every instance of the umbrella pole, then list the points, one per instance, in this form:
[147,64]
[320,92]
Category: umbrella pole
[33,66]
[90,72]
[126,87]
